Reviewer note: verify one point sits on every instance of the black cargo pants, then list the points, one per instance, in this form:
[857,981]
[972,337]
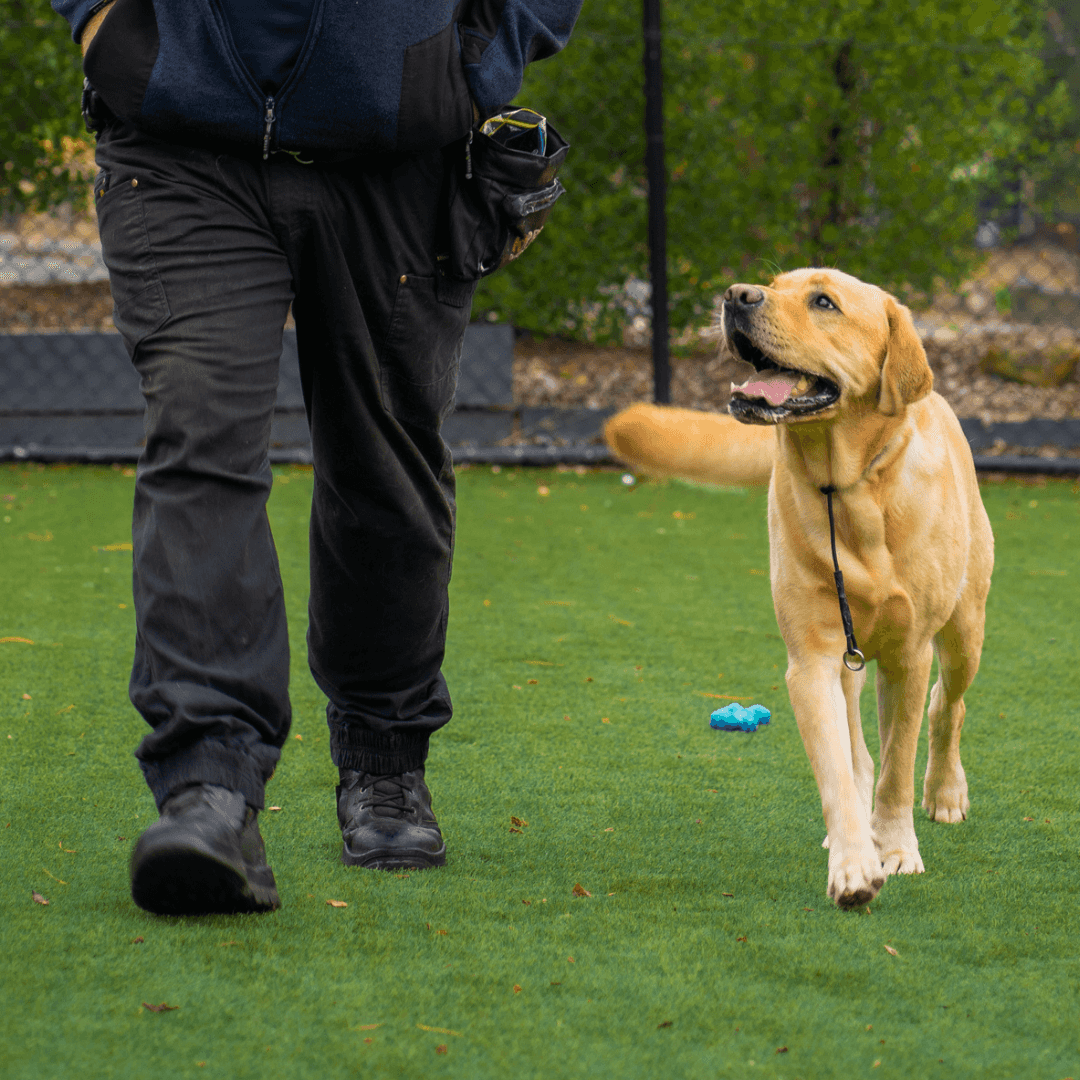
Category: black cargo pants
[205,252]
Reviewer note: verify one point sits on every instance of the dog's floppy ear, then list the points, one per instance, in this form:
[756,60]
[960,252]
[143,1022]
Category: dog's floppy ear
[905,376]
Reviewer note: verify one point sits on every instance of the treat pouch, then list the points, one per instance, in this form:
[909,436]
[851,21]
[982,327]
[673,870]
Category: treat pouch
[501,190]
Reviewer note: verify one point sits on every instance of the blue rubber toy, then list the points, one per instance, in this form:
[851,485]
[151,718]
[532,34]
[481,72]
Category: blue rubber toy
[737,718]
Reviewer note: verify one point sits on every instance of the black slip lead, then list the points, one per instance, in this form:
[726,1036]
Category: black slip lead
[845,611]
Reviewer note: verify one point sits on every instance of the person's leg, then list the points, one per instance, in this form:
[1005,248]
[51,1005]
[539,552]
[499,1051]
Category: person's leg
[202,289]
[379,347]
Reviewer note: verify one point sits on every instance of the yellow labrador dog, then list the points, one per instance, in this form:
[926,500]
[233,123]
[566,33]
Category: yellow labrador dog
[839,416]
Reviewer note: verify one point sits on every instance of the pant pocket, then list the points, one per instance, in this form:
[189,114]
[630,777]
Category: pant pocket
[140,305]
[419,360]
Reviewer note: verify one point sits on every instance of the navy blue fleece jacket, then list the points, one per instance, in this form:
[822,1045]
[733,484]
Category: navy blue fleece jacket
[372,75]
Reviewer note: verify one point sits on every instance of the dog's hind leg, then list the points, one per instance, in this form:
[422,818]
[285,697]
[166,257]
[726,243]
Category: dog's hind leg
[862,763]
[901,699]
[958,646]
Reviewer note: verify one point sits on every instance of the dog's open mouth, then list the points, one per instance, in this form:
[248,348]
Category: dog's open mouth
[774,392]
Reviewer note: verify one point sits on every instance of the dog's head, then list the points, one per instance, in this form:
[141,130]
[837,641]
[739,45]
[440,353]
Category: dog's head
[819,340]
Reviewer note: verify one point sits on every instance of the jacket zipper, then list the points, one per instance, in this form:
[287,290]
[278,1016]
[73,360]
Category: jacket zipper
[269,118]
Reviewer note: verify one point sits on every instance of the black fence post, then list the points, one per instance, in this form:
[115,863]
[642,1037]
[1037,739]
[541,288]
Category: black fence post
[657,177]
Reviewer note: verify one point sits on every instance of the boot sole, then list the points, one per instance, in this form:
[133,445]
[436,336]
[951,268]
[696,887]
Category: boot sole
[389,859]
[188,881]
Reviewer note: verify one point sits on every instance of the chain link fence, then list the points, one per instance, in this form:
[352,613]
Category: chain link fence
[51,249]
[937,158]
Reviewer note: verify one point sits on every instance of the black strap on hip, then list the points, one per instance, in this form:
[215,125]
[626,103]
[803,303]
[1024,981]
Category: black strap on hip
[845,611]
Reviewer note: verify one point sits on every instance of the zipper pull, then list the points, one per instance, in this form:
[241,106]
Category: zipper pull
[269,117]
[468,156]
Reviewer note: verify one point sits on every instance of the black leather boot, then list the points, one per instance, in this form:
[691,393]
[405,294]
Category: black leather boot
[203,855]
[387,822]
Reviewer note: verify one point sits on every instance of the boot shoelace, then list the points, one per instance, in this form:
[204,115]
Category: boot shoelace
[385,793]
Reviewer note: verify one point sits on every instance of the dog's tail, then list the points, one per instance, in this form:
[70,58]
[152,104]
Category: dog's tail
[710,447]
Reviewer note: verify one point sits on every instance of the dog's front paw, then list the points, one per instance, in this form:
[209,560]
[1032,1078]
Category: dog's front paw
[898,846]
[855,879]
[945,793]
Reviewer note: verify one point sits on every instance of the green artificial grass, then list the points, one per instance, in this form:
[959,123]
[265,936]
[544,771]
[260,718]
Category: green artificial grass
[592,625]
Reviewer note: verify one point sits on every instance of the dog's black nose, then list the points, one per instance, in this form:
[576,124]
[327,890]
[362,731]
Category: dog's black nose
[743,296]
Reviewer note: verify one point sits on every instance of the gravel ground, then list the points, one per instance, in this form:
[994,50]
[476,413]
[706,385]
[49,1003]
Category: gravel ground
[567,373]
[36,308]
[552,372]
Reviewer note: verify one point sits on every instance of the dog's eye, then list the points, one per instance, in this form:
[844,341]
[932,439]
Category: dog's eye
[823,301]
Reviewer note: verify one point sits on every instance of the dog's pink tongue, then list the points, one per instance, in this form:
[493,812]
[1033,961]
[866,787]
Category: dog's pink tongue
[776,389]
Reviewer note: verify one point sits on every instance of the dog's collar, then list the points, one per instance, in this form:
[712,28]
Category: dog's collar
[831,489]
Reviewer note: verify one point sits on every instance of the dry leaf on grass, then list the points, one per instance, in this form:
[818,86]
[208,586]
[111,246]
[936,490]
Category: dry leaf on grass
[517,989]
[441,1048]
[338,903]
[367,1027]
[580,890]
[159,1008]
[38,898]
[137,940]
[781,1050]
[438,1031]
[664,1024]
[10,640]
[891,951]
[521,823]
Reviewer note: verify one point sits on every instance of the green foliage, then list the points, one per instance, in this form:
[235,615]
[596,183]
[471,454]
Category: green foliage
[1041,176]
[862,134]
[43,148]
[854,134]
